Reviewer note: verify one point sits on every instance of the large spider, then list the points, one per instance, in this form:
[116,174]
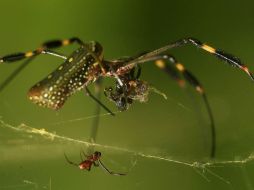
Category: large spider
[87,64]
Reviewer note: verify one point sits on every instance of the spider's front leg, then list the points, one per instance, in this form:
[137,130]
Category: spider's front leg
[43,49]
[222,55]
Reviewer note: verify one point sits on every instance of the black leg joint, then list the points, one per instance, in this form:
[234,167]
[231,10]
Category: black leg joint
[52,44]
[13,57]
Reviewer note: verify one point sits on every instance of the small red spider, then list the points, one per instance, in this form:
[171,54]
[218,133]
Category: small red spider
[90,160]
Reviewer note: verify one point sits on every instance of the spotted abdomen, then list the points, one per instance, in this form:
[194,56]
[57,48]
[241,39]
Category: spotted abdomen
[76,72]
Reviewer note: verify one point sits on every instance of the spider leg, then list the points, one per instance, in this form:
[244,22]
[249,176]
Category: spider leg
[96,164]
[59,43]
[96,120]
[41,50]
[80,154]
[84,154]
[16,57]
[226,57]
[14,74]
[44,49]
[191,79]
[107,170]
[88,93]
[70,162]
[132,72]
[170,69]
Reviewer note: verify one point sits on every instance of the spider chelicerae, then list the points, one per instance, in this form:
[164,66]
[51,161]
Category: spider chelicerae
[87,64]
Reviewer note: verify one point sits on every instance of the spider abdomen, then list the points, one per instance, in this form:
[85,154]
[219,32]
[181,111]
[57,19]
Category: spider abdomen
[71,76]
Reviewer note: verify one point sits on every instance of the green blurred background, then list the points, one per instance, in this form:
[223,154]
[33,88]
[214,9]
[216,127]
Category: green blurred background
[177,128]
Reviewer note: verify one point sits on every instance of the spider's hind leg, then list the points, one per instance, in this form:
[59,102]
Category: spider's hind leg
[174,72]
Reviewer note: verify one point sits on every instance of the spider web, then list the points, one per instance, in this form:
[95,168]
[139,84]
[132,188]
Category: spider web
[202,168]
[209,171]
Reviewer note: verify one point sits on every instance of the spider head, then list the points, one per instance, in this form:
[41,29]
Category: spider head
[96,155]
